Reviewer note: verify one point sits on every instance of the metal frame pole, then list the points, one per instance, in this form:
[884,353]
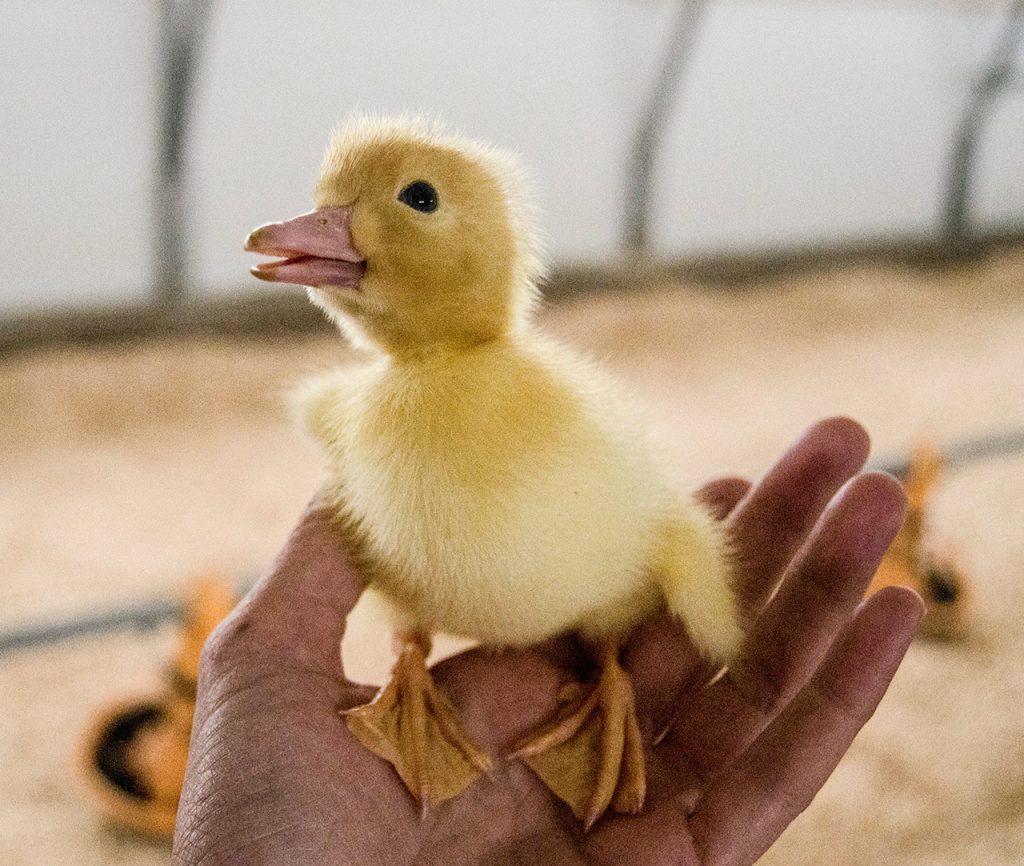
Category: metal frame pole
[649,130]
[995,78]
[183,24]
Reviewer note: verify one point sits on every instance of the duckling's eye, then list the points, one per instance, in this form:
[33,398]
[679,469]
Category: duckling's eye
[419,195]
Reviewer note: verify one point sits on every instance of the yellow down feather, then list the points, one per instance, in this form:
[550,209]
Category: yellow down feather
[495,484]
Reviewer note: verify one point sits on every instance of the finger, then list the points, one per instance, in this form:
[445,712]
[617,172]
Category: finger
[787,642]
[295,616]
[722,495]
[771,523]
[659,657]
[747,809]
[821,591]
[767,527]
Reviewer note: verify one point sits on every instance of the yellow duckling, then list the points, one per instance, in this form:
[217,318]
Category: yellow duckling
[493,484]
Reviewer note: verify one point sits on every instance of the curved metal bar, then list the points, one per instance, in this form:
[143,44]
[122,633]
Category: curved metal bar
[183,23]
[960,453]
[141,617]
[647,137]
[997,76]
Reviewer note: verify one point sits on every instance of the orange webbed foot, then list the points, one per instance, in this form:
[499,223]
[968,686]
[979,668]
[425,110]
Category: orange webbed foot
[412,725]
[591,753]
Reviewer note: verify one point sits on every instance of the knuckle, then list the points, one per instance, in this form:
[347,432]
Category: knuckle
[222,646]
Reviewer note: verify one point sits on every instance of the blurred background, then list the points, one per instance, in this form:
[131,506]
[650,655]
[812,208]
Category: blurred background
[758,214]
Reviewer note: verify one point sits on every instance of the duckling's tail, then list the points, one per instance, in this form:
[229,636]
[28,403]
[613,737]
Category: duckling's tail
[695,570]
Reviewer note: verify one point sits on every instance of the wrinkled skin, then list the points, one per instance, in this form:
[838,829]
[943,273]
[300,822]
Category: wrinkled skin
[274,777]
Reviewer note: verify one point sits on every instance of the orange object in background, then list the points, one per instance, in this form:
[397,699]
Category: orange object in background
[932,572]
[133,756]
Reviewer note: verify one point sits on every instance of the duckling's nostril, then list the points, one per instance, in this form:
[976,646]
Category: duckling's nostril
[322,221]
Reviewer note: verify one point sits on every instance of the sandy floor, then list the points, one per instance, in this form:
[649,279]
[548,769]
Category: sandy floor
[126,471]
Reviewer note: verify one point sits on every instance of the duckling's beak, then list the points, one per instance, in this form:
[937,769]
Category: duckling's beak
[314,249]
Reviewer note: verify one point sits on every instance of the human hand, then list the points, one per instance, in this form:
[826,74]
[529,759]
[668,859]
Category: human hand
[275,777]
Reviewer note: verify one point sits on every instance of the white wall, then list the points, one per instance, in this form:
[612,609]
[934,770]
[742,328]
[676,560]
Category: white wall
[77,151]
[803,121]
[800,122]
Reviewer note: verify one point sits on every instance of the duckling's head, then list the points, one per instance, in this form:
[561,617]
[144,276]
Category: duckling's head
[419,238]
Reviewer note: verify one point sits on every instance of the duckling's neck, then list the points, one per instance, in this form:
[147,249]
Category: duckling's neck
[442,355]
[416,323]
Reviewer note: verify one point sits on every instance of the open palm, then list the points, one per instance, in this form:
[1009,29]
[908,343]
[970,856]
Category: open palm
[275,777]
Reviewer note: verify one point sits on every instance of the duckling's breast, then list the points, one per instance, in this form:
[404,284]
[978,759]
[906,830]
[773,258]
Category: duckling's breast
[502,509]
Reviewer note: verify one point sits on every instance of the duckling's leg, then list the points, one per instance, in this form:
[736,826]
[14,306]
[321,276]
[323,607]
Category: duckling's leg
[591,754]
[411,724]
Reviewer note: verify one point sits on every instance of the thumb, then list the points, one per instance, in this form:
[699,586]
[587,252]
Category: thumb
[295,616]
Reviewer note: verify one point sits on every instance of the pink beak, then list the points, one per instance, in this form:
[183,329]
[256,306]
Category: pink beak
[314,249]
